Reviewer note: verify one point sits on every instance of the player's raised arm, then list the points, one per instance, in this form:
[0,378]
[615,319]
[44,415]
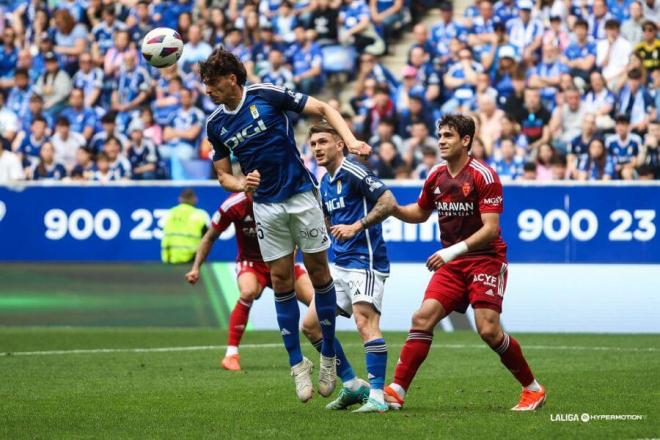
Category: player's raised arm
[319,108]
[202,252]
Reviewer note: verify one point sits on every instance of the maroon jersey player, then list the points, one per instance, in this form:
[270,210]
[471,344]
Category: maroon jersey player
[471,267]
[252,273]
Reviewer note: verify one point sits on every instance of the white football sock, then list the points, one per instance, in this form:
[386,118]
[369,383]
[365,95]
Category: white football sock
[534,386]
[377,395]
[399,389]
[231,350]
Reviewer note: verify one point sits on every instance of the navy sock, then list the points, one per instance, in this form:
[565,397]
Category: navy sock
[288,315]
[325,299]
[344,368]
[376,354]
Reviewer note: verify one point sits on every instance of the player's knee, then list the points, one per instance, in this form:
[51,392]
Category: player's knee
[248,295]
[282,282]
[489,333]
[422,321]
[320,276]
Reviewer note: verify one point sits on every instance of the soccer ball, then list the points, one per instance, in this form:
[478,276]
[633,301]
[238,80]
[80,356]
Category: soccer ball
[162,47]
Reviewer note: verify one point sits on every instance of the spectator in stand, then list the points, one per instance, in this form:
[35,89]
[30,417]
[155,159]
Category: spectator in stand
[152,131]
[118,164]
[142,154]
[70,40]
[386,15]
[482,31]
[90,79]
[381,107]
[82,119]
[415,145]
[48,168]
[54,86]
[103,33]
[651,10]
[66,143]
[356,28]
[514,103]
[636,102]
[387,161]
[623,146]
[85,167]
[215,31]
[580,55]
[598,19]
[600,101]
[546,75]
[131,91]
[559,169]
[429,160]
[534,120]
[649,48]
[478,151]
[612,53]
[109,130]
[544,160]
[260,51]
[525,32]
[410,86]
[307,62]
[182,137]
[195,50]
[529,172]
[416,112]
[579,146]
[597,165]
[324,20]
[28,143]
[505,10]
[233,42]
[19,95]
[278,73]
[631,29]
[502,56]
[649,155]
[508,166]
[566,121]
[490,121]
[510,130]
[427,75]
[556,34]
[102,171]
[10,164]
[114,57]
[8,58]
[371,68]
[35,108]
[461,81]
[284,23]
[386,132]
[447,28]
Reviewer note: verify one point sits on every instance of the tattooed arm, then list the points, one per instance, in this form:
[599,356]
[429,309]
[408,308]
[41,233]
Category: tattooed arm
[383,208]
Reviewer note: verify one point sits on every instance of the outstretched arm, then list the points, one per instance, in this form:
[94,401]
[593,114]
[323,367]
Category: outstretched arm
[412,213]
[321,109]
[202,252]
[383,208]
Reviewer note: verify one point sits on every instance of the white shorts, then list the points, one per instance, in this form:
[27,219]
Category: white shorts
[357,285]
[298,220]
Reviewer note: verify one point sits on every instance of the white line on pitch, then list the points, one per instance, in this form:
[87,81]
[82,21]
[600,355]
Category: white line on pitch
[279,345]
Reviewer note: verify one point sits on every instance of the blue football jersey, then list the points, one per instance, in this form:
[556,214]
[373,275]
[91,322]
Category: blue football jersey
[259,135]
[348,196]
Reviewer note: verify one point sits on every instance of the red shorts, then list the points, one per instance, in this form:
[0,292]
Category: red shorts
[479,281]
[261,271]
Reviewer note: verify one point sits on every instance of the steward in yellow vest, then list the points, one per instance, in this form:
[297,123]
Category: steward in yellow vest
[183,231]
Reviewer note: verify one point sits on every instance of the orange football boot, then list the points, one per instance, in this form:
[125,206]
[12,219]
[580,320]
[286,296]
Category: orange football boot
[392,398]
[231,363]
[530,400]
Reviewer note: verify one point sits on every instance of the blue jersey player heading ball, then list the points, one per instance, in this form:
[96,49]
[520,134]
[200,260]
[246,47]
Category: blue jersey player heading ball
[355,203]
[251,123]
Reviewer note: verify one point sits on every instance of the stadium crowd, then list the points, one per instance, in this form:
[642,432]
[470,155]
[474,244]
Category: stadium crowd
[560,89]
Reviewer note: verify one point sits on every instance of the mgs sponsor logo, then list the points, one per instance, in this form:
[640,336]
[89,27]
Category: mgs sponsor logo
[455,209]
[246,133]
[493,201]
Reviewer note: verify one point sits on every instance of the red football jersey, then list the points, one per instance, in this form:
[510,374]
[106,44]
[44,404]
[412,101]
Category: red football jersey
[461,200]
[237,209]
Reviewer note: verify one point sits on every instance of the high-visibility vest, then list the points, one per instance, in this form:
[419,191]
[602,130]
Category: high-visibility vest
[182,233]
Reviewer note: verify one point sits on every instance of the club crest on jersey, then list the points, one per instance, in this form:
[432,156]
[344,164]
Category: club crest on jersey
[254,111]
[466,189]
[338,186]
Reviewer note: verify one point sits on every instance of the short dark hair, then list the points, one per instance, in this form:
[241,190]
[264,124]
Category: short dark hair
[558,160]
[622,118]
[612,23]
[108,118]
[464,125]
[63,121]
[651,24]
[222,63]
[39,118]
[188,196]
[529,166]
[581,22]
[21,71]
[323,127]
[635,74]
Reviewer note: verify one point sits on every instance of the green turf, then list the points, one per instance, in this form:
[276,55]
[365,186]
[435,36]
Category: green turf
[462,391]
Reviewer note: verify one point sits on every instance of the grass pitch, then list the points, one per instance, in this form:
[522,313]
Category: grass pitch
[462,391]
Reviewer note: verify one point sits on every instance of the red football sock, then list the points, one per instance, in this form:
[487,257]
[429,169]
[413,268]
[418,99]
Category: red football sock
[237,322]
[512,357]
[412,355]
